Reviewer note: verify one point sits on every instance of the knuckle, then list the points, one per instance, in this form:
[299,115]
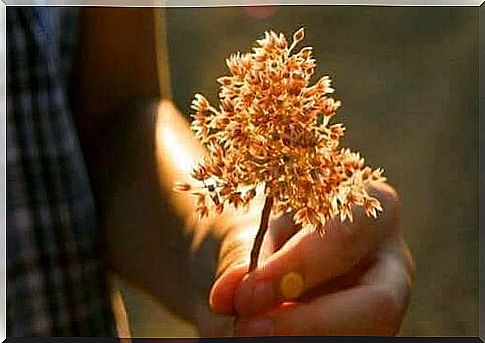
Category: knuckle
[384,192]
[390,192]
[391,311]
[389,199]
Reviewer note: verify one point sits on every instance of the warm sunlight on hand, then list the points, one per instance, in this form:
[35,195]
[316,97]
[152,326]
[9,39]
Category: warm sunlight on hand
[355,280]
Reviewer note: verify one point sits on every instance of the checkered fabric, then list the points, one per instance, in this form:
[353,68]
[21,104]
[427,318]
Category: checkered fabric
[56,284]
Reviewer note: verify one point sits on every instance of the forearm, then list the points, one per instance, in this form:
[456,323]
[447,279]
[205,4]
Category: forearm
[154,237]
[135,155]
[177,153]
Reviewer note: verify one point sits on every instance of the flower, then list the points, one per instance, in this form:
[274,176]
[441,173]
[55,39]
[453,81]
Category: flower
[273,128]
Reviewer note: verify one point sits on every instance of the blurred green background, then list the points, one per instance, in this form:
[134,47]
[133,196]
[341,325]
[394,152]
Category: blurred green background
[408,80]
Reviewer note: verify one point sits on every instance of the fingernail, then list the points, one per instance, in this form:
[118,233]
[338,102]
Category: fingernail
[292,286]
[250,299]
[257,327]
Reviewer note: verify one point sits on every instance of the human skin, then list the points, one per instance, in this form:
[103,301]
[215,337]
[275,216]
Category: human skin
[360,280]
[357,277]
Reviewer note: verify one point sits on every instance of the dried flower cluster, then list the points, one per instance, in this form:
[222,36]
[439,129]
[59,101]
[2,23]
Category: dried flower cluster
[273,128]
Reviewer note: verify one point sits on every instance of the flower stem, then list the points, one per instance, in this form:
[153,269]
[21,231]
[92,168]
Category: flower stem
[263,227]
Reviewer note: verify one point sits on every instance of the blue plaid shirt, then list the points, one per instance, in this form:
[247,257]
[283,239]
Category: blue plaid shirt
[56,283]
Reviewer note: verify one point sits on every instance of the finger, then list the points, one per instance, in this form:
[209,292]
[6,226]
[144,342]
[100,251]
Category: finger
[233,266]
[393,271]
[221,297]
[392,267]
[363,311]
[281,229]
[235,255]
[309,259]
[374,306]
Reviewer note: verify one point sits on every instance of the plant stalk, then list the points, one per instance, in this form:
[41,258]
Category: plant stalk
[263,227]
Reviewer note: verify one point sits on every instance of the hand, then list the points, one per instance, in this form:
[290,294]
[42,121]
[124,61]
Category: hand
[354,280]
